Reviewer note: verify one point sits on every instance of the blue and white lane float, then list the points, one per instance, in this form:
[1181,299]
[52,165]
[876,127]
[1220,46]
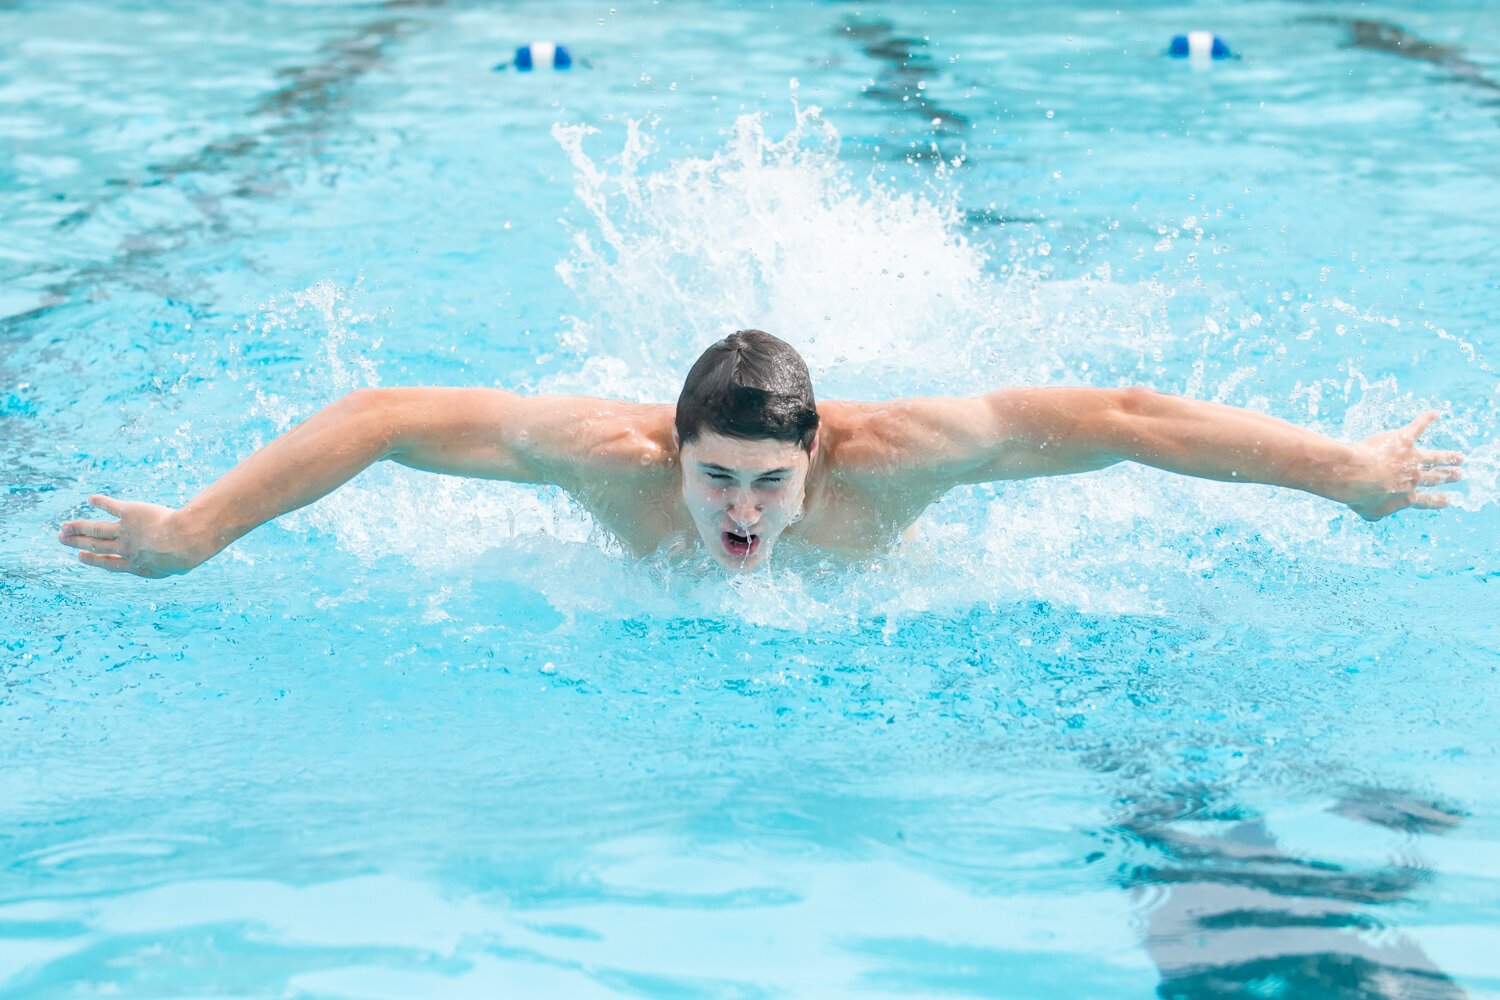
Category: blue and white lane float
[540,55]
[1200,46]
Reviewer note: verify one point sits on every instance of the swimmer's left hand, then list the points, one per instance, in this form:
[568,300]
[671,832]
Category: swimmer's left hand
[1390,472]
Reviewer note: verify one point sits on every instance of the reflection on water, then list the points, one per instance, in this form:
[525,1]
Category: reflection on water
[1229,913]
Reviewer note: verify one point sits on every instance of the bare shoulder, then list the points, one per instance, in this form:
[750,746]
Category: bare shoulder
[590,443]
[491,433]
[921,442]
[619,460]
[938,442]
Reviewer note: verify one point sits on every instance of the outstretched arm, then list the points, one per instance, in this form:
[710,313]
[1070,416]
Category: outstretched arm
[485,433]
[1019,433]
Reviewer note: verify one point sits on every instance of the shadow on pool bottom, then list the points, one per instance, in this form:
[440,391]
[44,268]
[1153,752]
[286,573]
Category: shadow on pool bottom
[1229,914]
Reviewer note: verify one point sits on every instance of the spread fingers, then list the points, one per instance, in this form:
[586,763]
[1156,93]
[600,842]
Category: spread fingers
[93,529]
[1431,458]
[114,564]
[1432,477]
[1414,430]
[1429,500]
[91,543]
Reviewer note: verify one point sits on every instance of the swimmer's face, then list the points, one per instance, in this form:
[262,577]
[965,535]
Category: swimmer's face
[742,494]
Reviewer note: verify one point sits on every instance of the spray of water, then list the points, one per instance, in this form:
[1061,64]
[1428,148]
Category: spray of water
[884,294]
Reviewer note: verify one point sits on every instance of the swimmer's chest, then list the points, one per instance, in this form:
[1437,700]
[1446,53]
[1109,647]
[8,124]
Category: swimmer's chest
[850,521]
[640,518]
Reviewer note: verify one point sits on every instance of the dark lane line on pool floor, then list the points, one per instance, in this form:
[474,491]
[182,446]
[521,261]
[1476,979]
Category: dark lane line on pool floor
[303,112]
[1392,39]
[906,68]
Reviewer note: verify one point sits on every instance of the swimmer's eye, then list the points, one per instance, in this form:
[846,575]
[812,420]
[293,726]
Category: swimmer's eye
[772,482]
[719,477]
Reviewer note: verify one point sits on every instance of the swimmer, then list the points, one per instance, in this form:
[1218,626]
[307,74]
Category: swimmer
[746,457]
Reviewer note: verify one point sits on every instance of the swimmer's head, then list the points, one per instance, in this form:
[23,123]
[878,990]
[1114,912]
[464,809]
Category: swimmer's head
[747,429]
[749,385]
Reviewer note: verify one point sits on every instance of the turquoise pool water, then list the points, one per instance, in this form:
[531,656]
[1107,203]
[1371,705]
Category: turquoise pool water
[1121,735]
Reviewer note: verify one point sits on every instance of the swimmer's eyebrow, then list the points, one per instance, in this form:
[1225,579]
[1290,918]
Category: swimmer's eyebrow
[711,467]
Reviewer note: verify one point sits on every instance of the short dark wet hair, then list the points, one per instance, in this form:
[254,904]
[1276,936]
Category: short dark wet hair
[749,385]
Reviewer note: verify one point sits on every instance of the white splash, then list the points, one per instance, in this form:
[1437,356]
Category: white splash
[885,294]
[881,290]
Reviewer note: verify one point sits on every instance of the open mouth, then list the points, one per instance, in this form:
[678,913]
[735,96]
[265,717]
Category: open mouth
[739,546]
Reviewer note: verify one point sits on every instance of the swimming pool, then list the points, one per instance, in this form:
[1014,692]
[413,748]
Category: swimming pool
[1105,736]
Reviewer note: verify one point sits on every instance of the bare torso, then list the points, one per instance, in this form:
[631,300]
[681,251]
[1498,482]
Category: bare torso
[860,495]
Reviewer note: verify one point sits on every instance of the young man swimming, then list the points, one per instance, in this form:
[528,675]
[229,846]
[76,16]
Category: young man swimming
[747,457]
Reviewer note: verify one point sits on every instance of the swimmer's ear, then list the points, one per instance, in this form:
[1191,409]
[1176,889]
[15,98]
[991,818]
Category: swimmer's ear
[676,439]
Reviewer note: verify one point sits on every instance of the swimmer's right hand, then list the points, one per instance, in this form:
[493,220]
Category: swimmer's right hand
[147,539]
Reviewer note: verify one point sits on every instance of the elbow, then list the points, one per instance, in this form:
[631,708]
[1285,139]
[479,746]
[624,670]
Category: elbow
[371,414]
[365,398]
[1129,426]
[1136,401]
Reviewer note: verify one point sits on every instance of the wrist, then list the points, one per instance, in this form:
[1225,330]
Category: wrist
[1349,474]
[193,535]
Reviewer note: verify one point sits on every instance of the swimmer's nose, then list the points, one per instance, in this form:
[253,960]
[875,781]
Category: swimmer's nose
[744,511]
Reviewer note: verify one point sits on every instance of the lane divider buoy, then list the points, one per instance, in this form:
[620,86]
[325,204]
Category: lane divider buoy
[540,55]
[1201,45]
